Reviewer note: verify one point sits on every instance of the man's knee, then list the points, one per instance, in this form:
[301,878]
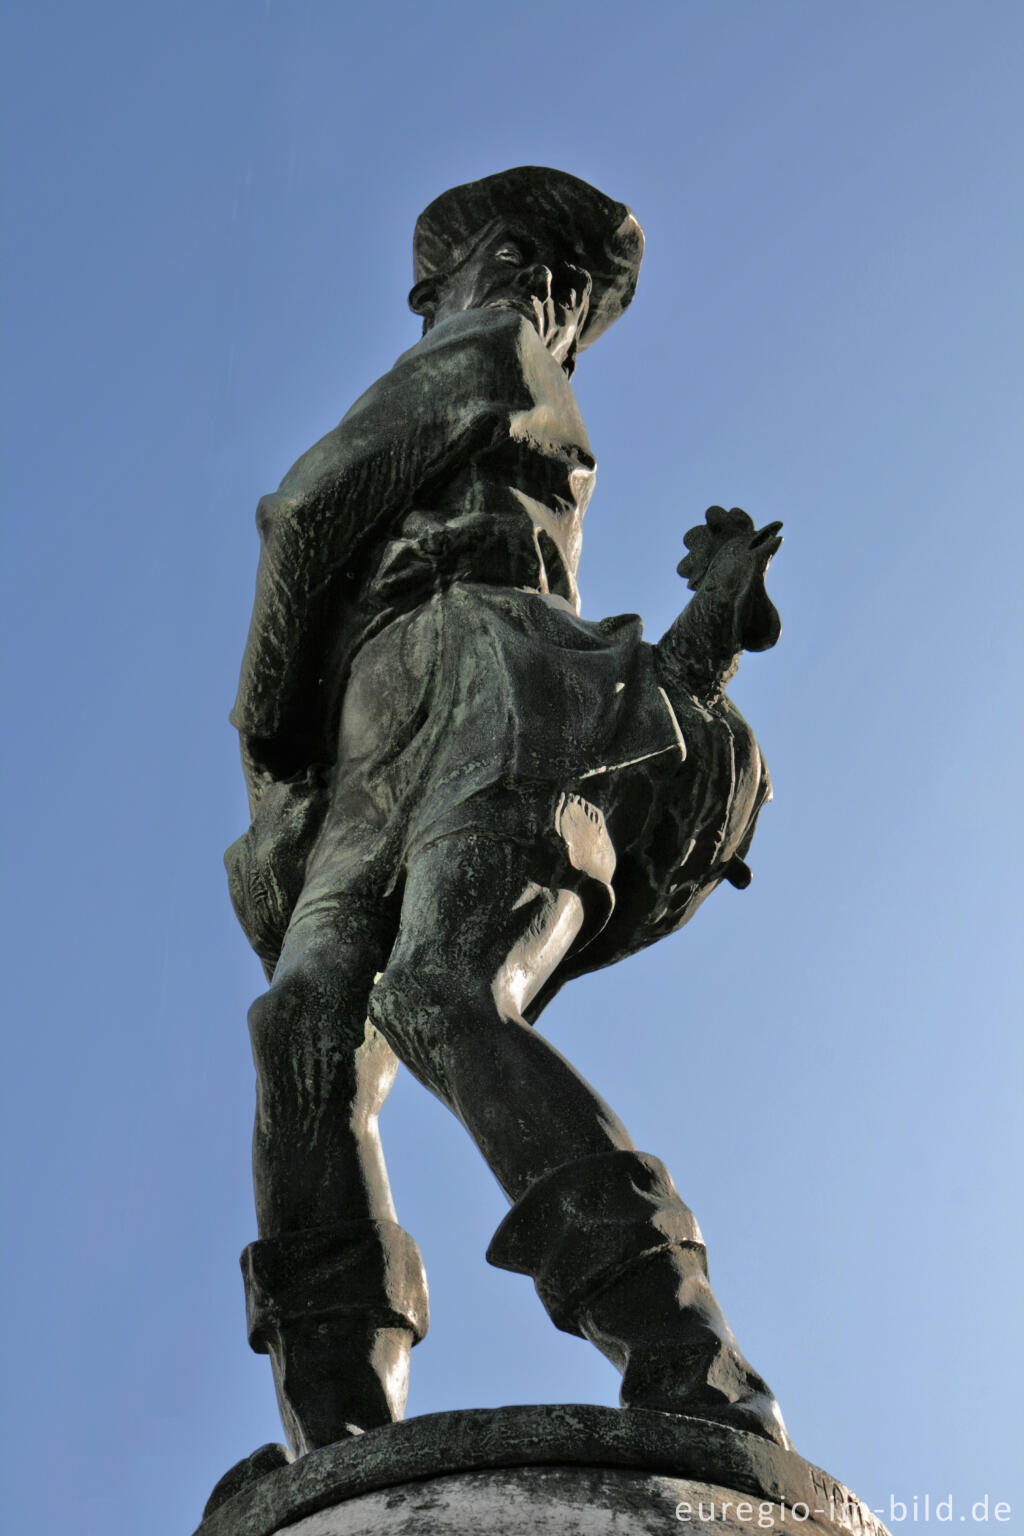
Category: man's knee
[309,1010]
[425,1020]
[272,1020]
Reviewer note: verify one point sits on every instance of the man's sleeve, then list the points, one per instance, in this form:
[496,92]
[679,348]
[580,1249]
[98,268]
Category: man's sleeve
[449,398]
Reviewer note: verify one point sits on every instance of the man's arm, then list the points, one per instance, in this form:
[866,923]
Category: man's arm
[451,397]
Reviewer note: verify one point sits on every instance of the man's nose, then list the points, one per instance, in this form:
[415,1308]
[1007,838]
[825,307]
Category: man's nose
[535,280]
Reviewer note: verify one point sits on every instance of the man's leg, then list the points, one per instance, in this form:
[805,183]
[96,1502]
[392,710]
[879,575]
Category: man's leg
[322,1075]
[616,1255]
[478,936]
[335,1288]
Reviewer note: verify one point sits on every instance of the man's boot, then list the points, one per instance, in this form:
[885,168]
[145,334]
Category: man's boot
[337,1309]
[618,1259]
[338,1377]
[660,1325]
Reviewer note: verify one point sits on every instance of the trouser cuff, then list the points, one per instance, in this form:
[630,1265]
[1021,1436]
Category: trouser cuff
[576,1229]
[373,1268]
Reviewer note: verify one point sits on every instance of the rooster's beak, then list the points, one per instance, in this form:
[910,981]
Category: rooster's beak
[767,541]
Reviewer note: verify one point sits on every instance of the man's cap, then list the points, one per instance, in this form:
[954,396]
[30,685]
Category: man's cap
[602,235]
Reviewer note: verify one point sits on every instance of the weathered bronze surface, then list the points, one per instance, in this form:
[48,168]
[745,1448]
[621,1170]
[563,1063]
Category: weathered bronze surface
[463,794]
[656,1458]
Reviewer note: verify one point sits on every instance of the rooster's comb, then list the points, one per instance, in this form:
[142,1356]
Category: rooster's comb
[704,541]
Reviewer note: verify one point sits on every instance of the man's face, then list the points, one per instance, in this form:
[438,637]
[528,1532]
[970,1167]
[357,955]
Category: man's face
[514,268]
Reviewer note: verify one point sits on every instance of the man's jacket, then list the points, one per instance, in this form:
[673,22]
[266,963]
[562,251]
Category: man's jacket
[468,461]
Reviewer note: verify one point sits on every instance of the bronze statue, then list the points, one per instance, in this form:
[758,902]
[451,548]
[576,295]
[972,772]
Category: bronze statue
[463,794]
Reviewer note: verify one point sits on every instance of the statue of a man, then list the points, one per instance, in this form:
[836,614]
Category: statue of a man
[437,746]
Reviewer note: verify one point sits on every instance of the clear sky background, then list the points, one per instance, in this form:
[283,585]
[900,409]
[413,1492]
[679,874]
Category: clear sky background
[208,209]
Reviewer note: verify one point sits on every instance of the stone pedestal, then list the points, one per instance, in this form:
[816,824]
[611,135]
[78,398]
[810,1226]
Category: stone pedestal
[545,1471]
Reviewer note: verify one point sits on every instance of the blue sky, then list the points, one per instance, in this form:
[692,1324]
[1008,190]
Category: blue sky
[208,217]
